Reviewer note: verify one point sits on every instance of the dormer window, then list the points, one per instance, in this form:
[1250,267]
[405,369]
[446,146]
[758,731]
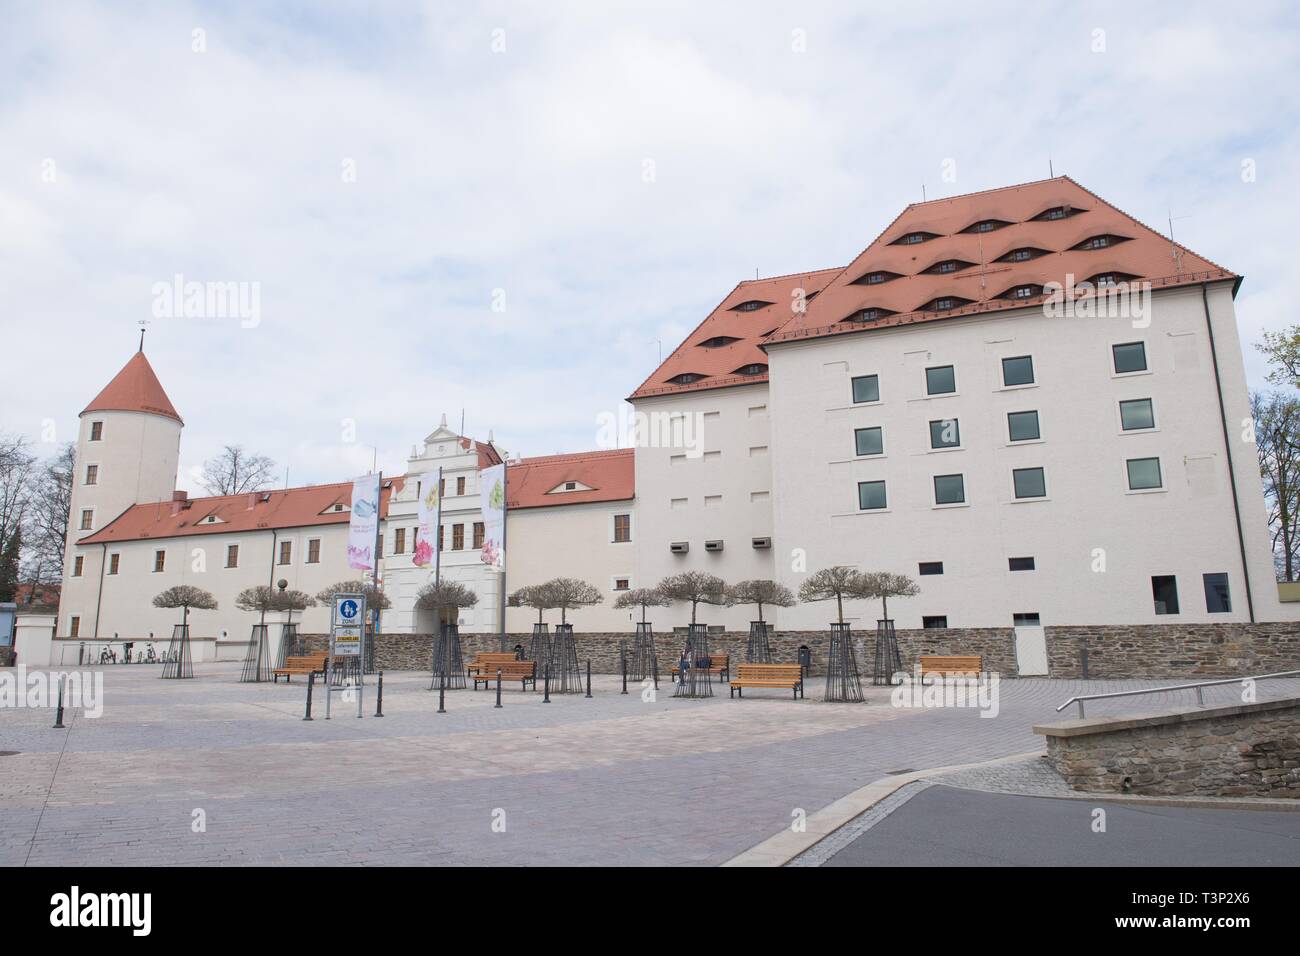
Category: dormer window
[1057,212]
[987,225]
[948,266]
[685,378]
[753,305]
[753,368]
[944,303]
[876,277]
[718,341]
[1023,254]
[1104,279]
[570,486]
[870,314]
[1104,241]
[912,238]
[1027,291]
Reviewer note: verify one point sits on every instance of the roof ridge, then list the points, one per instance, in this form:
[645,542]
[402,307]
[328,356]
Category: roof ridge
[998,189]
[595,453]
[790,275]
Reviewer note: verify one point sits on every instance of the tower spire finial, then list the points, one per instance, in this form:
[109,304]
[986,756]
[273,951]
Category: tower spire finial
[142,324]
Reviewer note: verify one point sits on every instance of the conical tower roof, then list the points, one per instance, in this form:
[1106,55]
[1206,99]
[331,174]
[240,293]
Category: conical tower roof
[135,389]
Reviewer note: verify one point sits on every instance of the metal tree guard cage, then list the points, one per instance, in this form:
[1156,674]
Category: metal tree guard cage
[448,659]
[758,649]
[888,659]
[644,656]
[699,638]
[257,666]
[179,664]
[539,648]
[566,675]
[290,645]
[843,684]
[694,682]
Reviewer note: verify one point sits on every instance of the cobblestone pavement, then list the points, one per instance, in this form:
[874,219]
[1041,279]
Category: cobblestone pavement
[608,781]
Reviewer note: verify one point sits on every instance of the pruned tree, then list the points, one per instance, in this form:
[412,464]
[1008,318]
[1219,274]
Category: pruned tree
[840,583]
[697,587]
[1277,445]
[444,596]
[263,598]
[643,598]
[375,599]
[236,471]
[886,584]
[534,596]
[186,596]
[761,591]
[570,593]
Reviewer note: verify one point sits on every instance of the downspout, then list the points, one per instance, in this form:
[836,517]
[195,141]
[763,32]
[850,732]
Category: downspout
[1227,446]
[99,595]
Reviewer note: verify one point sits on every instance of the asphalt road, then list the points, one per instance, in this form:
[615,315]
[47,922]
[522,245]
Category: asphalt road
[944,826]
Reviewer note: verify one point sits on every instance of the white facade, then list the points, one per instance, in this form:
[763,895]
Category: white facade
[1095,543]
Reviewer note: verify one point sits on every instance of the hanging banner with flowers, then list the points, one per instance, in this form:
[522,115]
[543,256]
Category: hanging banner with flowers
[492,498]
[428,514]
[364,523]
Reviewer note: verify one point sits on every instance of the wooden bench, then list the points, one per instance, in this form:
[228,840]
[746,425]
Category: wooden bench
[307,664]
[523,671]
[719,664]
[781,676]
[485,662]
[952,664]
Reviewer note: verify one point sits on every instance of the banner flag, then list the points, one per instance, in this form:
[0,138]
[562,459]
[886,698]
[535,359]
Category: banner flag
[492,498]
[364,523]
[426,538]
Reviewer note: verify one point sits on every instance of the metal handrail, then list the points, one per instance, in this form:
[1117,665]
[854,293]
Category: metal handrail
[1200,697]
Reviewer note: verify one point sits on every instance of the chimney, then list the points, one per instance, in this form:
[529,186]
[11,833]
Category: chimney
[180,495]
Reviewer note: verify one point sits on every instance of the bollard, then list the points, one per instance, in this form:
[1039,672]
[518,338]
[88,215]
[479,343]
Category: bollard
[588,676]
[656,671]
[379,700]
[625,673]
[498,704]
[311,682]
[442,692]
[58,714]
[546,685]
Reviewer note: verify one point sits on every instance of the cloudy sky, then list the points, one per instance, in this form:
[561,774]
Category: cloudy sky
[508,208]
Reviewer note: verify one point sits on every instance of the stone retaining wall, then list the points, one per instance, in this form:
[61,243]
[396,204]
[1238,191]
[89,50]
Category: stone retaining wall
[1188,651]
[1245,750]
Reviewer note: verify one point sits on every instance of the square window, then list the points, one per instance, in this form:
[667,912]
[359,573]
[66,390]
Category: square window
[930,567]
[866,388]
[1164,591]
[1026,619]
[1129,357]
[1143,473]
[1023,426]
[940,380]
[96,431]
[87,518]
[944,433]
[622,529]
[869,441]
[1018,370]
[1136,414]
[933,622]
[1020,564]
[871,495]
[949,489]
[1029,482]
[621,584]
[1217,598]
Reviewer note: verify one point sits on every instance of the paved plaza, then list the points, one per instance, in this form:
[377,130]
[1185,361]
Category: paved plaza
[612,780]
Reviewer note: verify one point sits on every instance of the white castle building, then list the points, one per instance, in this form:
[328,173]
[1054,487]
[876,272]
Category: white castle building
[1025,399]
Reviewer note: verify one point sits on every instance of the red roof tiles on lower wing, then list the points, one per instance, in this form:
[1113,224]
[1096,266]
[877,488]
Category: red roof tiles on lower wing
[610,476]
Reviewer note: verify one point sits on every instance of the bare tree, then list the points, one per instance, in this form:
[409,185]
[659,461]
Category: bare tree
[1277,443]
[535,596]
[886,584]
[186,596]
[235,471]
[375,599]
[445,596]
[48,514]
[839,582]
[16,467]
[761,591]
[643,598]
[697,587]
[570,594]
[263,598]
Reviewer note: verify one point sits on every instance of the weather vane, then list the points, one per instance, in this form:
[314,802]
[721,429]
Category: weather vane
[143,323]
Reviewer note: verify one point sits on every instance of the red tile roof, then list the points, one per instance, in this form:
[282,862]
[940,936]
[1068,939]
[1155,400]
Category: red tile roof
[134,389]
[721,364]
[1144,253]
[255,511]
[609,474]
